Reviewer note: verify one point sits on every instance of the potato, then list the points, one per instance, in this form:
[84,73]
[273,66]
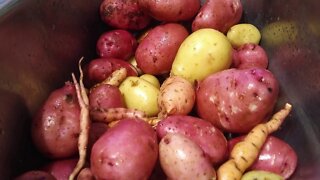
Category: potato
[128,149]
[157,50]
[237,100]
[151,79]
[85,174]
[202,53]
[181,158]
[276,156]
[140,94]
[241,34]
[261,175]
[210,139]
[123,14]
[218,14]
[60,169]
[170,11]
[55,128]
[35,175]
[250,56]
[100,69]
[97,129]
[120,44]
[177,96]
[105,96]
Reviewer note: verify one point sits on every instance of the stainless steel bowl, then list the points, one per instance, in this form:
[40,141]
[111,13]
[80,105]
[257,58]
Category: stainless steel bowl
[41,42]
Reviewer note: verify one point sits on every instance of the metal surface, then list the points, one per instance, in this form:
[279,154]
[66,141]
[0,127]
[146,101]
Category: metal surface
[41,41]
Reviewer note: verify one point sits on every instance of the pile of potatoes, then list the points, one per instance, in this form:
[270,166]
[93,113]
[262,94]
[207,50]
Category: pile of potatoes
[173,81]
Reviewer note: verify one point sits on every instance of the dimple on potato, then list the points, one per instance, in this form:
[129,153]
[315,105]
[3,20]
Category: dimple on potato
[236,100]
[202,53]
[181,158]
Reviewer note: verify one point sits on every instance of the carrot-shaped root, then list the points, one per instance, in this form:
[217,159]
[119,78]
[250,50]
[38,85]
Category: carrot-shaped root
[245,152]
[84,122]
[113,114]
[115,78]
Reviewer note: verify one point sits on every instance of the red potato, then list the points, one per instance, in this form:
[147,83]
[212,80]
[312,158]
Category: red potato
[100,69]
[105,96]
[181,158]
[237,100]
[61,169]
[250,56]
[118,43]
[128,149]
[35,175]
[275,156]
[170,11]
[218,14]
[177,96]
[56,128]
[97,129]
[204,134]
[156,52]
[123,14]
[85,174]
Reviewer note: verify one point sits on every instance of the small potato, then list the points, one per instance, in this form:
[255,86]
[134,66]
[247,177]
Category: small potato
[210,139]
[151,79]
[241,34]
[250,56]
[56,127]
[157,50]
[170,11]
[61,169]
[85,174]
[236,100]
[177,96]
[117,43]
[127,150]
[261,175]
[123,14]
[181,158]
[35,175]
[100,69]
[202,53]
[218,14]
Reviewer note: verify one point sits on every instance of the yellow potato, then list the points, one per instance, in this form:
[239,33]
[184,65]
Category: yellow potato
[151,79]
[140,94]
[240,34]
[261,175]
[279,32]
[202,53]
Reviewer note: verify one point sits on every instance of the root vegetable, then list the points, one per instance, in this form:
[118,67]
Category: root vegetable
[245,152]
[113,114]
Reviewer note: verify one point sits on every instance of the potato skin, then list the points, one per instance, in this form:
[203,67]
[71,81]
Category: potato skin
[35,175]
[218,14]
[203,133]
[55,129]
[99,69]
[123,14]
[276,156]
[116,43]
[156,52]
[250,56]
[181,158]
[172,10]
[61,169]
[128,149]
[237,100]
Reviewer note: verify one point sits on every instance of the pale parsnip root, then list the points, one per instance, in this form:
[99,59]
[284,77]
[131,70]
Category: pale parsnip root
[84,122]
[245,152]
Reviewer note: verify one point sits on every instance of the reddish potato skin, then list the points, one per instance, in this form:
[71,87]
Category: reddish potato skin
[35,175]
[105,96]
[250,56]
[237,100]
[97,129]
[85,174]
[203,133]
[170,11]
[128,149]
[275,156]
[99,69]
[118,43]
[124,14]
[156,52]
[218,14]
[61,169]
[56,128]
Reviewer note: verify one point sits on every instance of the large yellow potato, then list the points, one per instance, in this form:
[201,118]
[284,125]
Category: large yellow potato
[140,94]
[202,53]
